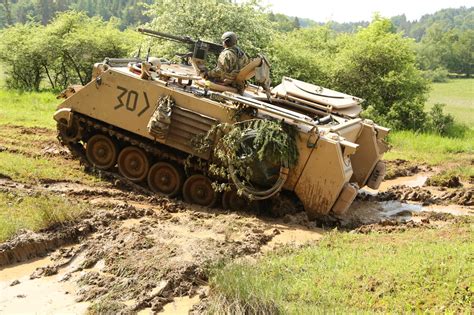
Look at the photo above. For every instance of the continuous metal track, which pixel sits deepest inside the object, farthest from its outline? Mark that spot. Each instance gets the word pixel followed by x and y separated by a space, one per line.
pixel 89 127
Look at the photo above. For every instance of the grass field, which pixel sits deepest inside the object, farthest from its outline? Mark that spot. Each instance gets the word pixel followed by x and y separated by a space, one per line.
pixel 33 212
pixel 430 148
pixel 457 153
pixel 458 95
pixel 420 270
pixel 26 131
pixel 27 108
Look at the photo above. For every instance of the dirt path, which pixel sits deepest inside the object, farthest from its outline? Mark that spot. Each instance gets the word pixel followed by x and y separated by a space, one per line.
pixel 140 253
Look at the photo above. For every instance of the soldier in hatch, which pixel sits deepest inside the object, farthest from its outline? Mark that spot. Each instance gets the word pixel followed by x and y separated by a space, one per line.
pixel 231 60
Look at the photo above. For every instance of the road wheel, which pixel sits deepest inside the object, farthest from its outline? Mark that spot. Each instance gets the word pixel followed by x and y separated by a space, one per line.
pixel 101 152
pixel 133 163
pixel 232 201
pixel 198 190
pixel 165 178
pixel 70 134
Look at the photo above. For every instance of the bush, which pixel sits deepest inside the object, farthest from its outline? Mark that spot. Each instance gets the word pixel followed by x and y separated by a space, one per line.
pixel 379 66
pixel 439 122
pixel 375 64
pixel 439 75
pixel 303 54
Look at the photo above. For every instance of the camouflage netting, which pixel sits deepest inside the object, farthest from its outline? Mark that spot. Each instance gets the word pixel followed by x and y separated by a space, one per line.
pixel 242 144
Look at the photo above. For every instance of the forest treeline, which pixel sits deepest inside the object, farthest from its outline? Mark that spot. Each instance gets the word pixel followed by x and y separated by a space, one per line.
pixel 376 62
pixel 129 12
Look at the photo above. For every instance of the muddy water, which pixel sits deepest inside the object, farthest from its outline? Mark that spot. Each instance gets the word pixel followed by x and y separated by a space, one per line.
pixel 367 212
pixel 371 212
pixel 17 271
pixel 417 180
pixel 293 235
pixel 180 305
pixel 44 295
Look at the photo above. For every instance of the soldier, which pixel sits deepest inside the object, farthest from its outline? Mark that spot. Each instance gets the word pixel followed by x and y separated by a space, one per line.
pixel 231 60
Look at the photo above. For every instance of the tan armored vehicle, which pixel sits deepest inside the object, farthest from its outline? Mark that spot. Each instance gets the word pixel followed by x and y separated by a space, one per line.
pixel 161 125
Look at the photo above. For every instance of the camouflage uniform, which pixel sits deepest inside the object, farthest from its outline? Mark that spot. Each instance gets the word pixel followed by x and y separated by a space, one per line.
pixel 230 62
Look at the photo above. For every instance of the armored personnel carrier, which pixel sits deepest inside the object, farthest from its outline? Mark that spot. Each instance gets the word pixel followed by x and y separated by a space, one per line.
pixel 161 125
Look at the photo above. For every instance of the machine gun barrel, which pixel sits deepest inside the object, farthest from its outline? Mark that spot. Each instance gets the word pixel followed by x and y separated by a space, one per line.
pixel 198 44
pixel 181 39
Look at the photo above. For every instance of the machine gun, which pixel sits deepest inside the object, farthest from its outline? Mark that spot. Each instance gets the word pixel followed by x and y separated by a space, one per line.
pixel 201 48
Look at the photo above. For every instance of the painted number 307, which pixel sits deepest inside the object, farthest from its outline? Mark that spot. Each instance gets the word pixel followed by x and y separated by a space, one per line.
pixel 130 100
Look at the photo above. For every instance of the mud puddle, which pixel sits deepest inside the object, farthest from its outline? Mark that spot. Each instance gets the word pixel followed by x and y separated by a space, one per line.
pixel 24 291
pixel 369 212
pixel 404 198
pixel 180 305
pixel 416 180
pixel 293 235
pixel 21 270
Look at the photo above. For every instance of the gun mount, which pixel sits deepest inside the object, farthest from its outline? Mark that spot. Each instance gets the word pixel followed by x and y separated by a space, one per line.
pixel 200 48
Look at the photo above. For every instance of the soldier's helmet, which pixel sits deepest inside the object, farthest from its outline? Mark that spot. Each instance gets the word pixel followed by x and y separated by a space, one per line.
pixel 229 38
pixel 155 62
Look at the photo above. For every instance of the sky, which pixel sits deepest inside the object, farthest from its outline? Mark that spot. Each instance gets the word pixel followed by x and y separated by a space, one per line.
pixel 360 10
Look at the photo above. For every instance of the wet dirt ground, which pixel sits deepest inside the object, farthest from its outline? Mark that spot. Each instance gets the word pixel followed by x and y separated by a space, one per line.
pixel 136 253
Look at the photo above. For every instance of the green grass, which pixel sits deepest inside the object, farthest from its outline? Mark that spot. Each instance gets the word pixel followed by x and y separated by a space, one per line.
pixel 24 158
pixel 465 172
pixel 455 154
pixel 32 170
pixel 414 271
pixel 458 95
pixel 430 148
pixel 33 212
pixel 29 109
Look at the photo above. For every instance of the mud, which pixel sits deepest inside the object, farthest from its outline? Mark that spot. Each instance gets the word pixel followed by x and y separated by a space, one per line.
pixel 141 256
pixel 48 294
pixel 402 168
pixel 426 196
pixel 449 182
pixel 139 253
pixel 109 191
pixel 164 256
pixel 425 220
pixel 28 245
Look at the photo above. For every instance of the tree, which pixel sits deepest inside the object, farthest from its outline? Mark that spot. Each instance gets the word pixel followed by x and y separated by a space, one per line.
pixel 448 49
pixel 63 52
pixel 303 54
pixel 296 23
pixel 23 55
pixel 379 65
pixel 209 19
pixel 283 23
pixel 6 13
pixel 45 11
pixel 461 54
